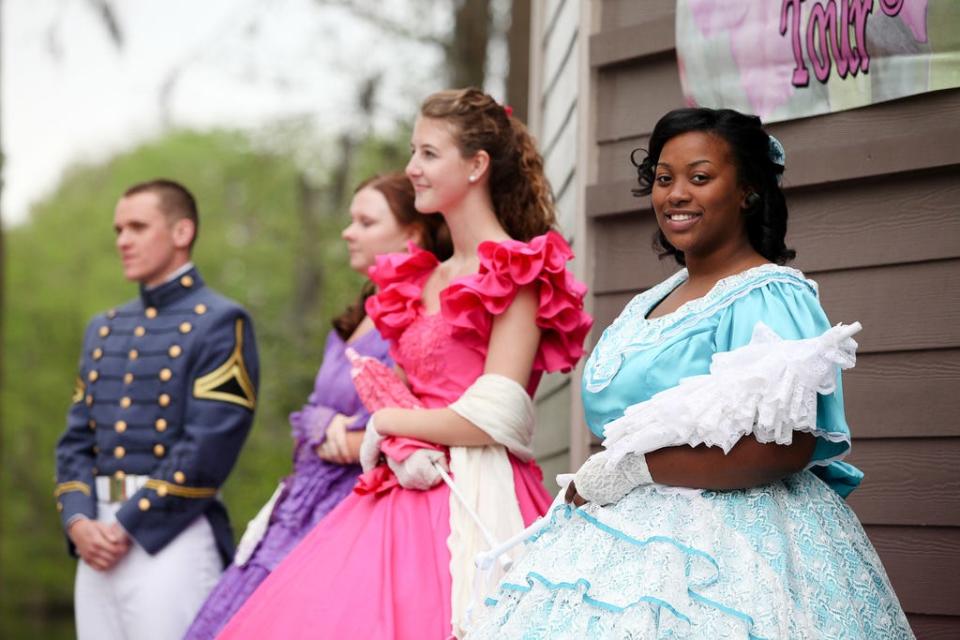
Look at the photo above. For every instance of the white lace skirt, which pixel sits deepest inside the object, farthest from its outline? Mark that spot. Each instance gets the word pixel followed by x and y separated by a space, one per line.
pixel 788 560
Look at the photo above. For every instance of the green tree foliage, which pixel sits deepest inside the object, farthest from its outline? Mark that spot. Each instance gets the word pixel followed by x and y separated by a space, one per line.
pixel 63 268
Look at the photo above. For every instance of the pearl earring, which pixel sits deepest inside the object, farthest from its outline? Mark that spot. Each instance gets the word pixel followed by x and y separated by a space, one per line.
pixel 472 178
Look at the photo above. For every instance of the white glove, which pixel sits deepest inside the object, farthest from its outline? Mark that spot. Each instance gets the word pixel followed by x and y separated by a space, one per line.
pixel 598 483
pixel 370 446
pixel 417 471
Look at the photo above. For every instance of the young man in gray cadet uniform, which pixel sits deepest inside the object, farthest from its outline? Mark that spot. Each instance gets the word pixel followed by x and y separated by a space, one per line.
pixel 163 402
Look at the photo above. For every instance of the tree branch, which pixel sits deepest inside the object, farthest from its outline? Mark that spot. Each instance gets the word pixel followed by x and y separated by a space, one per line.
pixel 109 19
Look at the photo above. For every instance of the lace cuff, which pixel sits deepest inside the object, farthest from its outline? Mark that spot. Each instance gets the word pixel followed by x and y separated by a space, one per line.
pixel 767 388
pixel 603 483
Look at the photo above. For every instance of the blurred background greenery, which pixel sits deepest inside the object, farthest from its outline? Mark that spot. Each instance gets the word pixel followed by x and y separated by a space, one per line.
pixel 267 239
pixel 273 199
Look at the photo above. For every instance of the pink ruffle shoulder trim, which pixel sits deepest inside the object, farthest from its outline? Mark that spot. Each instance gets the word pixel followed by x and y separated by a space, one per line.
pixel 400 278
pixel 470 304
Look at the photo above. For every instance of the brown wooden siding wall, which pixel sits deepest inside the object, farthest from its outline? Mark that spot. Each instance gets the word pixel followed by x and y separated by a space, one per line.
pixel 553 105
pixel 873 196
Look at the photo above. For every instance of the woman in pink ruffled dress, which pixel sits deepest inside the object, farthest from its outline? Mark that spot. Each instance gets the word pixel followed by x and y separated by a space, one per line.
pixel 473 336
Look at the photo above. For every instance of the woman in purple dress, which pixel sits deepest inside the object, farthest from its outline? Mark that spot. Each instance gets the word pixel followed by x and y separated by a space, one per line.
pixel 328 430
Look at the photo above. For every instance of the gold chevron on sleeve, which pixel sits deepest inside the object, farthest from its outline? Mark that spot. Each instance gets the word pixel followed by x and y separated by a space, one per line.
pixel 73 485
pixel 229 382
pixel 78 390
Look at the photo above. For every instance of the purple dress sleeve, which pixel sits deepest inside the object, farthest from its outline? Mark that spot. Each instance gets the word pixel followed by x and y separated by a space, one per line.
pixel 333 391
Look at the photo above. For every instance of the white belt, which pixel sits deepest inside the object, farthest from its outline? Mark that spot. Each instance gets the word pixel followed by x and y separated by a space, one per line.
pixel 114 489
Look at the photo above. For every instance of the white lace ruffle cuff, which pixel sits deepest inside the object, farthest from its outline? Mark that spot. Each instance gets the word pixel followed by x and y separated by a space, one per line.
pixel 767 388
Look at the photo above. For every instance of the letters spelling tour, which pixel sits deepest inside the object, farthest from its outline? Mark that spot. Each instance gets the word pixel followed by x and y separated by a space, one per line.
pixel 827 36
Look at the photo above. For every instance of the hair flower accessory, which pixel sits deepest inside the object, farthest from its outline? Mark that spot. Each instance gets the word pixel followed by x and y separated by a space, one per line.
pixel 776 151
pixel 778 155
pixel 508 110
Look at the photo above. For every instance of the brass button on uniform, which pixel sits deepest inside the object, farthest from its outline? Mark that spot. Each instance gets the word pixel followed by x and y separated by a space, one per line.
pixel 150 312
pixel 186 281
pixel 112 314
pixel 59 506
pixel 120 426
pixel 97 353
pixel 127 378
pixel 165 374
pixel 89 400
pixel 160 425
pixel 159 450
pixel 144 504
pixel 179 477
pixel 200 309
pixel 95 449
pixel 119 452
pixel 125 402
pixel 139 332
pixel 134 354
pixel 93 375
pixel 174 351
pixel 104 331
pixel 185 327
pixel 92 424
pixel 164 399
pixel 119 475
pixel 162 490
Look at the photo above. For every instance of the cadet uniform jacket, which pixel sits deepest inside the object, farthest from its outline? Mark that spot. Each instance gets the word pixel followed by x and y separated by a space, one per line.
pixel 166 388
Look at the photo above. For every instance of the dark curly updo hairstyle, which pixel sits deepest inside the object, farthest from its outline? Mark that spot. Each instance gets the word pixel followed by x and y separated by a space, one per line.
pixel 766 211
pixel 521 194
pixel 434 237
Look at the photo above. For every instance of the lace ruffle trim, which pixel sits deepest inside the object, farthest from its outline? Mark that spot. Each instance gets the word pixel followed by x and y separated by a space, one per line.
pixel 632 331
pixel 767 388
pixel 709 566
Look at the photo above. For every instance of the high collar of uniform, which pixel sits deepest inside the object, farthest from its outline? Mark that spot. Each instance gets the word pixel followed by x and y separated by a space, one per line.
pixel 170 292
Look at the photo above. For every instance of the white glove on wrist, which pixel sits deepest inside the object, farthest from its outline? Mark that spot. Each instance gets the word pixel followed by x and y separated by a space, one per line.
pixel 417 471
pixel 598 483
pixel 370 446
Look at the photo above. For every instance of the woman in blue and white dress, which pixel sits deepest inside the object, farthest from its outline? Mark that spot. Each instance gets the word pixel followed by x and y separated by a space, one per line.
pixel 716 509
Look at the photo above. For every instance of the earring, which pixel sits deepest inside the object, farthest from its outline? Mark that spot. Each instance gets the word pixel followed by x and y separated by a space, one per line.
pixel 472 178
pixel 752 199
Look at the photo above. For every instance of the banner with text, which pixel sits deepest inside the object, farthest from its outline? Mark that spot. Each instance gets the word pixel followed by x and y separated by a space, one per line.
pixel 785 59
